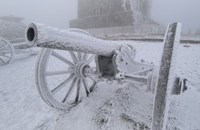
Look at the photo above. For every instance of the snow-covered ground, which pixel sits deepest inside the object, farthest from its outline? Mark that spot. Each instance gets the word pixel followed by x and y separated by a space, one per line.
pixel 112 106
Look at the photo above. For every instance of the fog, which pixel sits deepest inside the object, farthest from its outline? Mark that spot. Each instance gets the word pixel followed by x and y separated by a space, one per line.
pixel 59 12
pixel 52 12
pixel 185 11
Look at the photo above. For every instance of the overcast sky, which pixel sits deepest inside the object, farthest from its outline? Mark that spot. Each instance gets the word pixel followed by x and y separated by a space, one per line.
pixel 59 12
pixel 185 11
pixel 52 12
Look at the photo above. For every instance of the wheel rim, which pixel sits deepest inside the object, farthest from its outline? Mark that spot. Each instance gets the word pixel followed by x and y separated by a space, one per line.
pixel 6 51
pixel 60 79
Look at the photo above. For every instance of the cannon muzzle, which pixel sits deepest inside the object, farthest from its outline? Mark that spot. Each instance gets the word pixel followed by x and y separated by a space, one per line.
pixel 49 37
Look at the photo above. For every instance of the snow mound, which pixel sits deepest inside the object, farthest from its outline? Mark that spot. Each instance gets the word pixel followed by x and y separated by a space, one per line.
pixel 110 107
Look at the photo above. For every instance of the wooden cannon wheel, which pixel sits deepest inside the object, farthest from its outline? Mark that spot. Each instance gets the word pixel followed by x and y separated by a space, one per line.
pixel 60 79
pixel 7 51
pixel 166 77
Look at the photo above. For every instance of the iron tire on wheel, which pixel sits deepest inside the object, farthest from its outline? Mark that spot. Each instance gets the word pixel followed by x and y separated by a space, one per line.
pixel 72 73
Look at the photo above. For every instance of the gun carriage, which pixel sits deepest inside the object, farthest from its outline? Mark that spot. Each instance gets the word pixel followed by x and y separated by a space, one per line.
pixel 87 60
pixel 10 49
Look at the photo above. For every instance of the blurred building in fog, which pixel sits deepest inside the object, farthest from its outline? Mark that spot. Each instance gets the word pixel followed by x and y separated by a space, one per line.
pixel 109 17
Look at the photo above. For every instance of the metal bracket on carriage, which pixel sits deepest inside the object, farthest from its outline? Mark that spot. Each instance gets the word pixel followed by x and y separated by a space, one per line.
pixel 123 67
pixel 180 86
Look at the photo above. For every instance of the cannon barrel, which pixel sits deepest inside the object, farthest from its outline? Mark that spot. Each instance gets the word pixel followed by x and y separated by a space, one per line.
pixel 49 37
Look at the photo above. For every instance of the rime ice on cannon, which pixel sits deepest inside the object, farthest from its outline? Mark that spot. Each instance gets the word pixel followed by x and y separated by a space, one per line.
pixel 83 61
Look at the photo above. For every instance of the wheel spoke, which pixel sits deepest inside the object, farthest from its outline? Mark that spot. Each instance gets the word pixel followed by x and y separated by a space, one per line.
pixel 79 56
pixel 74 58
pixel 92 86
pixel 78 91
pixel 6 51
pixel 3 46
pixel 91 77
pixel 60 86
pixel 3 55
pixel 86 86
pixel 2 61
pixel 62 58
pixel 70 90
pixel 90 59
pixel 53 73
pixel 85 56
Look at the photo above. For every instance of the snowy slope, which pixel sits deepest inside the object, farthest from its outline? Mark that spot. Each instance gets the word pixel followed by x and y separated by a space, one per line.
pixel 112 106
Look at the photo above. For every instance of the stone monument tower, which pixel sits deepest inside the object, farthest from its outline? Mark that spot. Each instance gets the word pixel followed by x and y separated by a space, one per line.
pixel 108 17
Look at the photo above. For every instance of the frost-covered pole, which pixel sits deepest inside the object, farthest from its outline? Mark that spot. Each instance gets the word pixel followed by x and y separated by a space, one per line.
pixel 166 77
pixel 49 37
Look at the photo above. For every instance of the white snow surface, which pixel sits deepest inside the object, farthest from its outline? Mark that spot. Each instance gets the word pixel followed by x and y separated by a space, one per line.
pixel 112 106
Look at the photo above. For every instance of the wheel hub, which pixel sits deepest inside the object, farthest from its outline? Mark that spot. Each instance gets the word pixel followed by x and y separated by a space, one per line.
pixel 81 70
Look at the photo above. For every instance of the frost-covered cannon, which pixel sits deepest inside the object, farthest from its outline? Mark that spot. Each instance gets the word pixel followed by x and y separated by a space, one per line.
pixel 8 50
pixel 64 79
